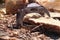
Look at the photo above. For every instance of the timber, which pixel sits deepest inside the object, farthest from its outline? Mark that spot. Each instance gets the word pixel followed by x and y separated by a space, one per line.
pixel 47 22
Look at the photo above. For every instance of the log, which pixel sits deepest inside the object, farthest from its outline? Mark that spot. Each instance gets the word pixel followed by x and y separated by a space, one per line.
pixel 48 23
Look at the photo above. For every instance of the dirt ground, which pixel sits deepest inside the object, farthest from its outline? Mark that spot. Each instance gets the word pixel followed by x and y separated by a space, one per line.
pixel 7 32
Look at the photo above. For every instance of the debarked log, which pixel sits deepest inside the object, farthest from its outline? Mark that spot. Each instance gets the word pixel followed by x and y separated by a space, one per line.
pixel 48 23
